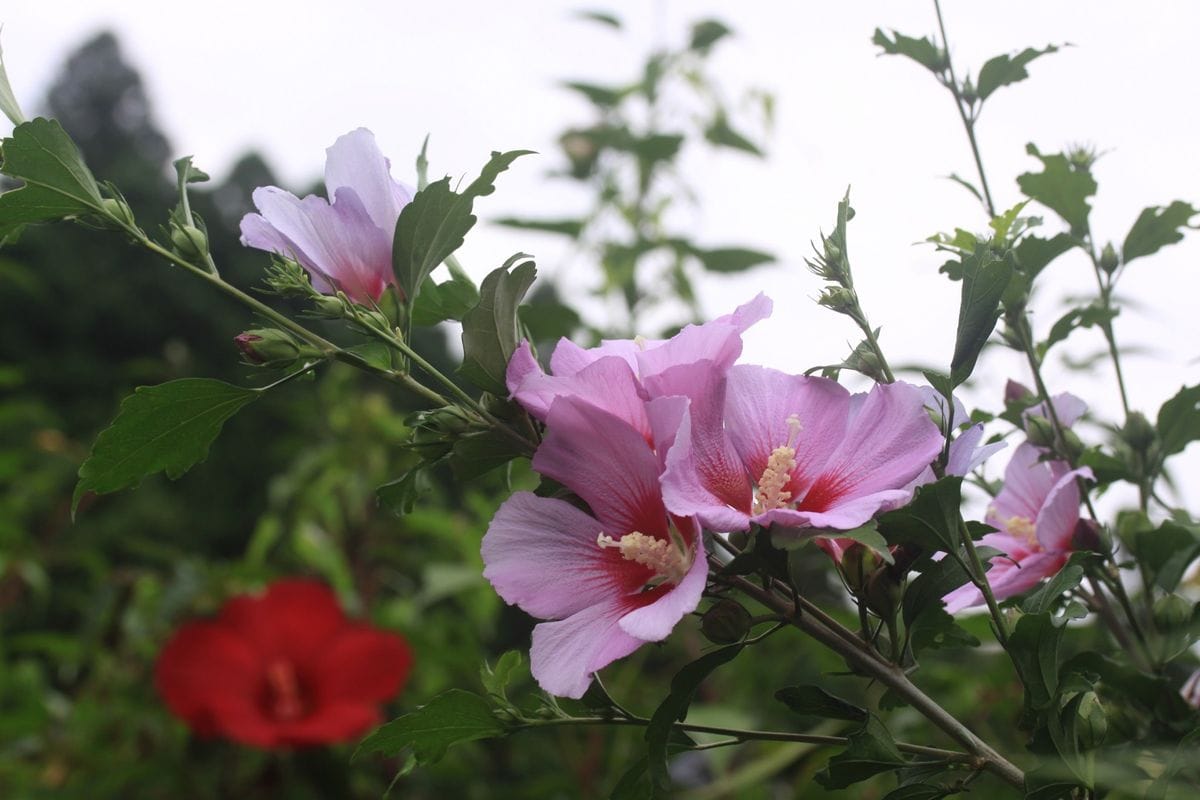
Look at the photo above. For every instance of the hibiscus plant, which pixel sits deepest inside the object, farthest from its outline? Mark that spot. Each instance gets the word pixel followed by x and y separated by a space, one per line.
pixel 656 480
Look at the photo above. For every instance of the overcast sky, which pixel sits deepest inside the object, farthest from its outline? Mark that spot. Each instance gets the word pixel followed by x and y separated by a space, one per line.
pixel 481 76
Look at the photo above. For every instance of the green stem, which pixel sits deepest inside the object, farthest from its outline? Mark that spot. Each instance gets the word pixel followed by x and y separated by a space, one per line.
pixel 746 735
pixel 979 578
pixel 860 657
pixel 968 120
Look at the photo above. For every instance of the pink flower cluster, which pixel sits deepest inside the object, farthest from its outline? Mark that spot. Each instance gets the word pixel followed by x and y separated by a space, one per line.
pixel 662 439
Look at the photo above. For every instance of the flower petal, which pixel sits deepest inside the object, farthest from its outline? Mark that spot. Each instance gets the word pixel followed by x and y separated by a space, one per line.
pixel 718 341
pixel 360 664
pixel 292 619
pixel 655 621
pixel 565 654
pixel 355 162
pixel 710 485
pixel 605 461
pixel 1059 514
pixel 209 675
pixel 1007 579
pixel 541 554
pixel 608 383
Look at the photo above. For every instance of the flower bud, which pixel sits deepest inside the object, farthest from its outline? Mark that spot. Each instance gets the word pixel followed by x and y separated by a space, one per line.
pixel 271 347
pixel 839 299
pixel 883 592
pixel 857 564
pixel 1172 614
pixel 1108 259
pixel 189 241
pixel 1016 392
pixel 726 622
pixel 740 539
pixel 1039 431
pixel 1073 444
pixel 329 307
pixel 119 210
pixel 1091 723
pixel 1092 537
pixel 1138 433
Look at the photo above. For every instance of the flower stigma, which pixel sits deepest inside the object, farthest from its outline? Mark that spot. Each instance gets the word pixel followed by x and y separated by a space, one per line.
pixel 771 494
pixel 669 559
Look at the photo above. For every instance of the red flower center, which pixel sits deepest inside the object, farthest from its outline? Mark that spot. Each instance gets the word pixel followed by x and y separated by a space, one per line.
pixel 285 698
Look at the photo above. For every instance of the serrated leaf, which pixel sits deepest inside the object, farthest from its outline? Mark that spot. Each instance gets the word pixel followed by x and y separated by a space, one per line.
pixel 731 259
pixel 934 629
pixel 814 701
pixel 491 330
pixel 1167 551
pixel 439 302
pixel 187 172
pixel 1178 421
pixel 567 227
pixel 58 185
pixel 1061 186
pixel 1086 317
pixel 869 752
pixel 1034 254
pixel 549 321
pixel 434 224
pixel 1155 228
pixel 708 32
pixel 480 453
pixel 922 50
pixel 1007 69
pixel 930 521
pixel 165 428
pixel 674 708
pixel 937 579
pixel 400 496
pixel 451 718
pixel 984 280
pixel 1066 579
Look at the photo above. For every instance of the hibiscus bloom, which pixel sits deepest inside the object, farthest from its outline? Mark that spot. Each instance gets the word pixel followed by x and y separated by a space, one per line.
pixel 610 580
pixel 282 669
pixel 768 448
pixel 345 242
pixel 621 375
pixel 1035 516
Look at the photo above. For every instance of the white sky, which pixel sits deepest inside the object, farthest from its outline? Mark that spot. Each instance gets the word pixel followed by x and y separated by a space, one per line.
pixel 482 76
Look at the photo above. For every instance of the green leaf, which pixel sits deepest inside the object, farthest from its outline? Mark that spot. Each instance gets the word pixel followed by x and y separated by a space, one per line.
pixel 930 521
pixel 549 321
pixel 934 629
pixel 1033 646
pixel 1167 551
pixel 602 96
pixel 490 329
pixel 937 579
pixel 434 224
pixel 922 50
pixel 867 535
pixel 731 259
pixel 869 752
pixel 814 701
pixel 164 428
pixel 1178 420
pixel 400 496
pixel 451 718
pixel 58 185
pixel 496 679
pixel 187 173
pixel 1085 317
pixel 1034 253
pixel 567 227
pixel 966 184
pixel 722 134
pixel 602 17
pixel 1155 228
pixel 674 708
pixel 479 453
pixel 985 278
pixel 8 101
pixel 919 791
pixel 1062 186
pixel 439 302
pixel 708 32
pixel 1047 597
pixel 1004 70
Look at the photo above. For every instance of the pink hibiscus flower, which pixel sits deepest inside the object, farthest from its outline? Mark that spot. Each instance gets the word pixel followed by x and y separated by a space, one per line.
pixel 610 580
pixel 765 447
pixel 345 242
pixel 1035 516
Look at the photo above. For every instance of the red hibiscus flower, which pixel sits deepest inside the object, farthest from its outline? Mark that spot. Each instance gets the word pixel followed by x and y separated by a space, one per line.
pixel 282 669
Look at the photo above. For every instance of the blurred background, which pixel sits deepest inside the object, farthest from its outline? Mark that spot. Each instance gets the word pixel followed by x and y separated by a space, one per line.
pixel 725 151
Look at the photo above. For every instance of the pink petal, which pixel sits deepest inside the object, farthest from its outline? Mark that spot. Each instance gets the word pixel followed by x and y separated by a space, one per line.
pixel 889 441
pixel 966 454
pixel 1007 579
pixel 569 358
pixel 1067 407
pixel 653 622
pixel 608 384
pixel 565 654
pixel 1057 517
pixel 1027 482
pixel 847 513
pixel 355 162
pixel 605 461
pixel 541 554
pixel 718 341
pixel 711 486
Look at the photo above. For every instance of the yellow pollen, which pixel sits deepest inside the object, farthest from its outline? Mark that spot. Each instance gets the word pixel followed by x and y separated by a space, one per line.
pixel 669 561
pixel 639 341
pixel 770 494
pixel 1023 527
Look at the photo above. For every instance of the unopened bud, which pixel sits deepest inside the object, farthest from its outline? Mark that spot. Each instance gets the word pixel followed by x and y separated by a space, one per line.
pixel 189 241
pixel 726 622
pixel 1108 259
pixel 838 299
pixel 1091 723
pixel 857 564
pixel 267 346
pixel 330 307
pixel 1073 444
pixel 1016 392
pixel 1172 614
pixel 1138 433
pixel 1039 431
pixel 1090 536
pixel 883 592
pixel 118 210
